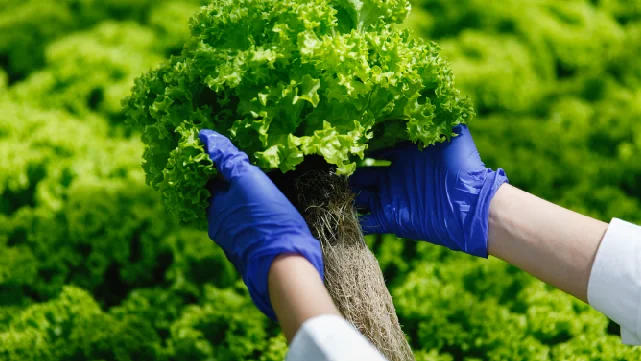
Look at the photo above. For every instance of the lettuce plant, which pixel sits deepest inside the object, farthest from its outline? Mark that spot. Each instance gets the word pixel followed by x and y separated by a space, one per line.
pixel 289 79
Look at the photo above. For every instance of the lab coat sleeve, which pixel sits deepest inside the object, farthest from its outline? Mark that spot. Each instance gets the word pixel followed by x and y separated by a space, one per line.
pixel 331 338
pixel 614 287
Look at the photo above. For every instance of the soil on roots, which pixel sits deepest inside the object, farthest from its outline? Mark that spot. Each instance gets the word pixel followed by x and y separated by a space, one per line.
pixel 352 273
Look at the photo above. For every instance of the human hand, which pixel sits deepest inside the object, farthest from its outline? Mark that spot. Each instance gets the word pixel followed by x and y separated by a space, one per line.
pixel 252 221
pixel 441 194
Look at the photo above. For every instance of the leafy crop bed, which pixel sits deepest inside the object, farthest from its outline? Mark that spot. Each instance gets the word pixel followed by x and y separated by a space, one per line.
pixel 94 268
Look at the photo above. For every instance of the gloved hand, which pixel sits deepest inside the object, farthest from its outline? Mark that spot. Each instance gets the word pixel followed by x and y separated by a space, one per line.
pixel 252 221
pixel 441 194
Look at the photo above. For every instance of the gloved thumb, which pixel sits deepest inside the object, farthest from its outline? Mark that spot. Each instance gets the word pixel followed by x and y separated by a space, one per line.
pixel 229 161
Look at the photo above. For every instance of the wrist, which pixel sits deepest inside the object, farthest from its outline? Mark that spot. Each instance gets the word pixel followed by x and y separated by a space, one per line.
pixel 297 292
pixel 497 221
pixel 477 237
pixel 260 259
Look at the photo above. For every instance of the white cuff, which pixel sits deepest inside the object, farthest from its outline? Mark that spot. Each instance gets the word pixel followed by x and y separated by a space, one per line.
pixel 629 338
pixel 614 287
pixel 330 338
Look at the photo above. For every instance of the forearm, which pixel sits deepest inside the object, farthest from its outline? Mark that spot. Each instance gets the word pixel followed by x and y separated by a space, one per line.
pixel 297 293
pixel 554 244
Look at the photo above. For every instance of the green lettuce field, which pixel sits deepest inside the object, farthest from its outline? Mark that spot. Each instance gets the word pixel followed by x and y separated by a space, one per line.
pixel 93 267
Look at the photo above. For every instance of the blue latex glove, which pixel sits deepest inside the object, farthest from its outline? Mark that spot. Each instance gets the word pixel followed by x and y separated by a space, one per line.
pixel 252 221
pixel 441 194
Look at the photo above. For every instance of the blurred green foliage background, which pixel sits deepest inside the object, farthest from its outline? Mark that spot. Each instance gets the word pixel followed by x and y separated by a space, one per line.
pixel 93 268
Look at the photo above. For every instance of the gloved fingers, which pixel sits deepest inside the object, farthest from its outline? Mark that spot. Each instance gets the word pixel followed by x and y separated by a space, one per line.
pixel 461 152
pixel 367 177
pixel 226 157
pixel 393 153
pixel 385 154
pixel 462 134
pixel 370 225
pixel 218 185
pixel 364 199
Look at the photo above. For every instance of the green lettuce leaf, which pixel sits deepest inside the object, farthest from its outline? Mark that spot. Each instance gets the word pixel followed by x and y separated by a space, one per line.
pixel 288 79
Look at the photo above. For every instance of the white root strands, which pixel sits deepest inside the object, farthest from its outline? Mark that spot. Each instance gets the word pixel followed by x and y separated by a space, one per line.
pixel 352 273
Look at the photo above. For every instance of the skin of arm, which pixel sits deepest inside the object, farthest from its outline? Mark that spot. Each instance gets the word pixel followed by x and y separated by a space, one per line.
pixel 553 244
pixel 297 293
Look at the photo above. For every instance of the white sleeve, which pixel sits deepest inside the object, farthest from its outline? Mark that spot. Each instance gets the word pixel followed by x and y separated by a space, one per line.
pixel 614 287
pixel 330 338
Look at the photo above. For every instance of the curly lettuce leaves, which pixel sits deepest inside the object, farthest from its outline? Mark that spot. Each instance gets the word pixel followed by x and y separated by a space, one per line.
pixel 288 79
